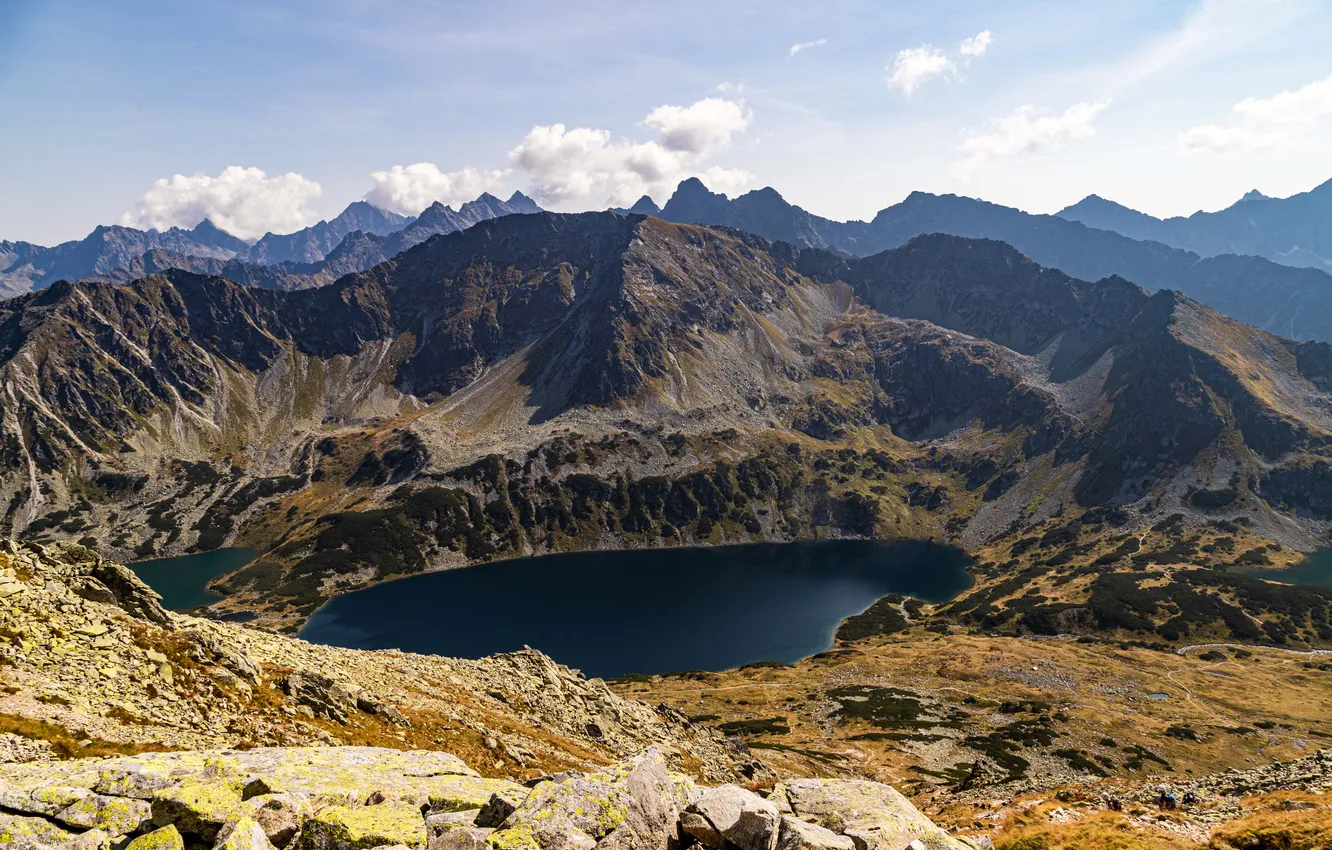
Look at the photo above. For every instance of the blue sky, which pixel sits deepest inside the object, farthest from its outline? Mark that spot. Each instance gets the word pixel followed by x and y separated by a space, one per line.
pixel 1169 107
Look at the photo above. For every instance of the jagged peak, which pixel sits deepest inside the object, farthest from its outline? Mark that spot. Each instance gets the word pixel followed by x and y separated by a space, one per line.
pixel 520 203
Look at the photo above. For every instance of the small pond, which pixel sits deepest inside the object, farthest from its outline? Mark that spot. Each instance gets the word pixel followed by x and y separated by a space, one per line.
pixel 644 611
pixel 183 581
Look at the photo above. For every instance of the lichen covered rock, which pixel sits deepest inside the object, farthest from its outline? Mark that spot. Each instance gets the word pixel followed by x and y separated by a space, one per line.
pixel 364 827
pixel 873 815
pixel 166 838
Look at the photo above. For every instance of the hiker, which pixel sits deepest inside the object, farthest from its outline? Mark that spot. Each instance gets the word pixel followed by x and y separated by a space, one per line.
pixel 1163 797
pixel 1190 798
pixel 1116 805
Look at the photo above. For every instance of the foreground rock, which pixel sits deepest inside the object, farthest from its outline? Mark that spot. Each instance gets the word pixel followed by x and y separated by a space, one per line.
pixel 359 798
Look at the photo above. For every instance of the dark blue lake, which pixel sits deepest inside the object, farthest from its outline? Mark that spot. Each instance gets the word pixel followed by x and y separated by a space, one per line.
pixel 182 582
pixel 644 611
pixel 1313 571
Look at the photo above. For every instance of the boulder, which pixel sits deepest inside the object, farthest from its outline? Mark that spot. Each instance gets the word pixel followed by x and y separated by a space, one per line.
pixel 983 773
pixel 325 697
pixel 209 650
pixel 33 833
pixel 140 782
pixel 438 823
pixel 79 808
pixel 501 804
pixel 461 793
pixel 742 818
pixel 278 815
pixel 243 834
pixel 364 827
pixel 701 830
pixel 166 838
pixel 635 795
pixel 799 835
pixel 874 816
pixel 462 838
pixel 197 807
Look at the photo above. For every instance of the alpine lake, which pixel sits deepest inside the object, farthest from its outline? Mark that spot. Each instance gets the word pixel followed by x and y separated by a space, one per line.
pixel 610 613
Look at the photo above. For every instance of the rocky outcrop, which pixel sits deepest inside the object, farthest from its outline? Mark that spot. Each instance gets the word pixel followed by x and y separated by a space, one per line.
pixel 358 798
pixel 93 670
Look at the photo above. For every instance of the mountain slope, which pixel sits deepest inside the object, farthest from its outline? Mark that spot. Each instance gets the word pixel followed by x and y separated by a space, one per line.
pixel 1292 231
pixel 1288 301
pixel 550 382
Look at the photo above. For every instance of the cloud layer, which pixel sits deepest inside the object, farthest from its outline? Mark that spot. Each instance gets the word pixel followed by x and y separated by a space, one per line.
pixel 1261 124
pixel 245 202
pixel 1023 131
pixel 581 165
pixel 408 189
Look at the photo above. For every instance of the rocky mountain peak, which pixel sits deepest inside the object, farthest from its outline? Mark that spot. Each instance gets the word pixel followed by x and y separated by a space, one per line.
pixel 520 203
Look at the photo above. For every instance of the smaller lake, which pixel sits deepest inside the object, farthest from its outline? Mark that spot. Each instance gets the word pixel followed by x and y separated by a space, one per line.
pixel 183 582
pixel 646 610
pixel 1313 571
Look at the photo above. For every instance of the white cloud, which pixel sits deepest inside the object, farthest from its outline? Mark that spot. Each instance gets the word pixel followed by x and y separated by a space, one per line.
pixel 1209 138
pixel 1267 123
pixel 977 44
pixel 245 202
pixel 805 45
pixel 915 66
pixel 408 189
pixel 582 165
pixel 1023 131
pixel 705 127
pixel 1304 106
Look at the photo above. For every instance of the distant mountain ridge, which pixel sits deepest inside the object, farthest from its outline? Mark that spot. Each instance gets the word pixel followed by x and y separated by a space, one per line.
pixel 118 253
pixel 1294 231
pixel 1292 302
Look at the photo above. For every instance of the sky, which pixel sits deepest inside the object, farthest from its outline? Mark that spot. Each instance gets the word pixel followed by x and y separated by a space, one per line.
pixel 269 116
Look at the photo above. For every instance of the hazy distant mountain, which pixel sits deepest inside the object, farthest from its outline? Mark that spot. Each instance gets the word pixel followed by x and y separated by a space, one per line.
pixel 358 238
pixel 1294 231
pixel 313 243
pixel 24 266
pixel 1293 302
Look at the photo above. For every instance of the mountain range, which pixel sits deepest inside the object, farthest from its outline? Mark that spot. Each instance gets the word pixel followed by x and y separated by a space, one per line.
pixel 1294 231
pixel 547 382
pixel 1293 302
pixel 1242 282
pixel 119 253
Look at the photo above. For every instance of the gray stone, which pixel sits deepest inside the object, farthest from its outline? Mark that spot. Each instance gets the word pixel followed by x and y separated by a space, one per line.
pixel 244 834
pixel 701 830
pixel 500 805
pixel 80 808
pixel 636 795
pixel 460 838
pixel 798 835
pixel 278 815
pixel 873 815
pixel 742 817
pixel 325 697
